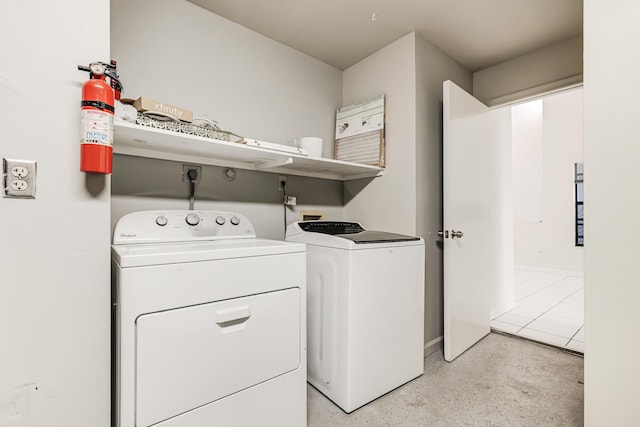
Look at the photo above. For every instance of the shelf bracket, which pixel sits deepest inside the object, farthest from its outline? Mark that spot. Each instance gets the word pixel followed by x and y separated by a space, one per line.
pixel 274 163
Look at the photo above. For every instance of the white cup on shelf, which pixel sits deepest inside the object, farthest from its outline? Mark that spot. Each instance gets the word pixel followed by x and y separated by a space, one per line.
pixel 312 145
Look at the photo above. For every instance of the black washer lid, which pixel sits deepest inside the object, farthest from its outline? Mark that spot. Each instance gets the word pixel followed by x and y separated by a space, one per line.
pixel 331 227
pixel 354 232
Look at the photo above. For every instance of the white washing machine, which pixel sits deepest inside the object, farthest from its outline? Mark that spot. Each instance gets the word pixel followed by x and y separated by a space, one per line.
pixel 365 309
pixel 209 323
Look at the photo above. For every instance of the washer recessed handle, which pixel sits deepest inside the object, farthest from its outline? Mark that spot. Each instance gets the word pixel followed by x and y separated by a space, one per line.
pixel 232 316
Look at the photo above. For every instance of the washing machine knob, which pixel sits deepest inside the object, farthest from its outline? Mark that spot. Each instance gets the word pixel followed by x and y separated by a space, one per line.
pixel 192 219
pixel 235 220
pixel 220 220
pixel 162 220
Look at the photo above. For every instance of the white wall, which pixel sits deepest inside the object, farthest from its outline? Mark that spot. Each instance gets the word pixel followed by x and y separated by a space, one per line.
pixel 547 142
pixel 182 54
pixel 611 153
pixel 502 298
pixel 55 303
pixel 533 73
pixel 563 134
pixel 432 68
pixel 528 164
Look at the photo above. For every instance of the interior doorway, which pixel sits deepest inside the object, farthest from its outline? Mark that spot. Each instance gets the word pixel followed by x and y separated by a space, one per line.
pixel 547 299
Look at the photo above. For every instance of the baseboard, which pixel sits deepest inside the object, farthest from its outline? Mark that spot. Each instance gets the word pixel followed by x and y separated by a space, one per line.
pixel 502 310
pixel 551 270
pixel 433 346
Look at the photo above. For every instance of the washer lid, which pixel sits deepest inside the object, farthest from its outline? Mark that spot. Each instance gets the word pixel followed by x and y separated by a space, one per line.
pixel 137 255
pixel 353 231
pixel 370 236
pixel 331 227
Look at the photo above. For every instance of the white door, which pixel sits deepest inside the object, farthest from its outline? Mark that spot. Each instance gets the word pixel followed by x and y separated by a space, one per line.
pixel 471 170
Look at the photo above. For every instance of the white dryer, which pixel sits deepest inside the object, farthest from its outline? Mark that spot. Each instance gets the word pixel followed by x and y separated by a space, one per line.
pixel 209 323
pixel 365 309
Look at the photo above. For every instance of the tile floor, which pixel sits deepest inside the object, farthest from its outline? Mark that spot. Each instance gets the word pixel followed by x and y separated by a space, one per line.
pixel 550 308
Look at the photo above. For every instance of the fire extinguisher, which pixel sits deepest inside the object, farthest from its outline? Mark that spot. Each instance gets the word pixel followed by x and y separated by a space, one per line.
pixel 96 122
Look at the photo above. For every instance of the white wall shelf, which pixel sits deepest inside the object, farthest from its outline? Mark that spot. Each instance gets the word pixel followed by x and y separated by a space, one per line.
pixel 135 140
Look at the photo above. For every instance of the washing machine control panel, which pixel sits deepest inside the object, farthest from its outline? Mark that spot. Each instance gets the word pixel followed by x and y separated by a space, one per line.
pixel 181 226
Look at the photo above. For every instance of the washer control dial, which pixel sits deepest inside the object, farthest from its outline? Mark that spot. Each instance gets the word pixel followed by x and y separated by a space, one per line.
pixel 220 220
pixel 192 219
pixel 162 220
pixel 235 220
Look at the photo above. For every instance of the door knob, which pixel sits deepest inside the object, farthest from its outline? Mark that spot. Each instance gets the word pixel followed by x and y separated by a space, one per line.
pixel 457 234
pixel 444 234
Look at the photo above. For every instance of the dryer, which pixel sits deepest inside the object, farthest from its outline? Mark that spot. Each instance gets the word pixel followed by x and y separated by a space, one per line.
pixel 365 309
pixel 209 322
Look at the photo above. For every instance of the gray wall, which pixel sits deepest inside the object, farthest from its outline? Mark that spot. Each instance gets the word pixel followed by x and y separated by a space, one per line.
pixel 149 184
pixel 387 203
pixel 611 153
pixel 179 53
pixel 531 74
pixel 432 68
pixel 408 197
pixel 55 292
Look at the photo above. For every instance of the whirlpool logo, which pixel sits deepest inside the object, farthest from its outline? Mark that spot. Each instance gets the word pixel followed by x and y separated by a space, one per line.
pixel 125 235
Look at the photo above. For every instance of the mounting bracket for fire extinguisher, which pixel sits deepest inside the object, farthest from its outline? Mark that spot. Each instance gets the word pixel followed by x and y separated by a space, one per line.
pixel 97 112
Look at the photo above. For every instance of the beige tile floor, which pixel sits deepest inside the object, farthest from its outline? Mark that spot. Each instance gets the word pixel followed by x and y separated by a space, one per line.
pixel 550 309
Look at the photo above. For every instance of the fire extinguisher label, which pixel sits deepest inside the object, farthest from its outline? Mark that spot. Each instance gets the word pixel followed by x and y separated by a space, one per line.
pixel 96 127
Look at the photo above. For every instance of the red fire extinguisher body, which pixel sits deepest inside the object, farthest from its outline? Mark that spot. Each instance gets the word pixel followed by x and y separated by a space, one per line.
pixel 96 125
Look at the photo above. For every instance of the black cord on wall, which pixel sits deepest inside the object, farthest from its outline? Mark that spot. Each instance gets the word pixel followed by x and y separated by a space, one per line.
pixel 192 174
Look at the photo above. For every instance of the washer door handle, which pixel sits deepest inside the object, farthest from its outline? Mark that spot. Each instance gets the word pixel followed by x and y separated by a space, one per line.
pixel 232 316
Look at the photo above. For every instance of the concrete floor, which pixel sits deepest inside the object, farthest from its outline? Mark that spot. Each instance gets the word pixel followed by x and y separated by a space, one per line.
pixel 501 381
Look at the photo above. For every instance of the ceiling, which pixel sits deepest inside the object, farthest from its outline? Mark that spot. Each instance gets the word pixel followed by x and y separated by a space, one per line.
pixel 476 33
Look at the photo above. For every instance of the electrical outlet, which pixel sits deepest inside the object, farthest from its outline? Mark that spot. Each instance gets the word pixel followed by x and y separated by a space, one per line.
pixel 290 200
pixel 185 173
pixel 281 180
pixel 19 185
pixel 19 171
pixel 19 178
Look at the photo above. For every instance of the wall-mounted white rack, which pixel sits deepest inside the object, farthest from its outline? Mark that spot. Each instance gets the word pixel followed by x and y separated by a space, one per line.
pixel 135 140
